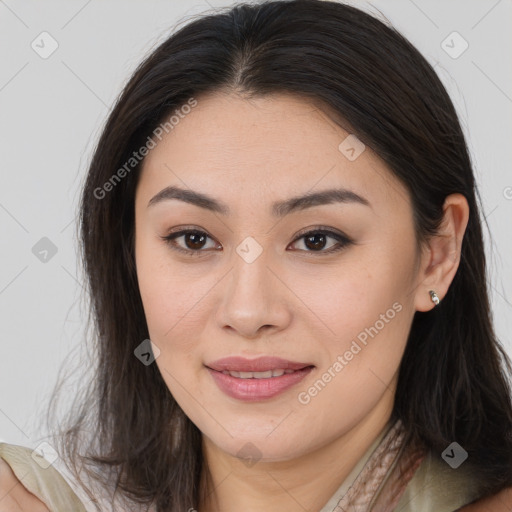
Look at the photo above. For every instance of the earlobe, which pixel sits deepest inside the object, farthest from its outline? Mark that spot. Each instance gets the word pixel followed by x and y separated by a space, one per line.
pixel 442 257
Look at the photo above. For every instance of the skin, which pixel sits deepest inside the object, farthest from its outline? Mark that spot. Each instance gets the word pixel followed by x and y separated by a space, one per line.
pixel 290 302
pixel 500 502
pixel 14 496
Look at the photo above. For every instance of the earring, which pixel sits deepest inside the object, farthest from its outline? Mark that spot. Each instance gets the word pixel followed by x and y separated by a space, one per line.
pixel 434 297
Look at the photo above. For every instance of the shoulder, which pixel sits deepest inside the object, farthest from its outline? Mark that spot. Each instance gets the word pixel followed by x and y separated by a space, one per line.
pixel 437 486
pixel 500 502
pixel 14 497
pixel 30 482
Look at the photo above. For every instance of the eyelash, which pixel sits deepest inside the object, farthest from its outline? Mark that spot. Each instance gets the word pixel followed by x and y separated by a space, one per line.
pixel 343 240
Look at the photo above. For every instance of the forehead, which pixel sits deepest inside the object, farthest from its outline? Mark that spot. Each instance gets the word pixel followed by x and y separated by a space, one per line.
pixel 262 145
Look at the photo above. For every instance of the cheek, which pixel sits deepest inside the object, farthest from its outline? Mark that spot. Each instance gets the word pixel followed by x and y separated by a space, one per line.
pixel 367 309
pixel 171 308
pixel 353 296
pixel 173 311
pixel 369 320
pixel 176 298
pixel 164 299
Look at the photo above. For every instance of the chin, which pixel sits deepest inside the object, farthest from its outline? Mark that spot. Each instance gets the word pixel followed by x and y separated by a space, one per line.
pixel 263 450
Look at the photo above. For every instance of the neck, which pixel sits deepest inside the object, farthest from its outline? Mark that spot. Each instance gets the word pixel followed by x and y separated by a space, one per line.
pixel 304 483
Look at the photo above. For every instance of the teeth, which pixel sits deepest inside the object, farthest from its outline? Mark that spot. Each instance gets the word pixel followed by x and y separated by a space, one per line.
pixel 257 375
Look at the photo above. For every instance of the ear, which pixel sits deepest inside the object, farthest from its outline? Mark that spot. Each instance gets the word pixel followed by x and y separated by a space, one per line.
pixel 440 259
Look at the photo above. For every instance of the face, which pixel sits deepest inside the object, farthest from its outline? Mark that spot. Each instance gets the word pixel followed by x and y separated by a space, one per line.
pixel 279 323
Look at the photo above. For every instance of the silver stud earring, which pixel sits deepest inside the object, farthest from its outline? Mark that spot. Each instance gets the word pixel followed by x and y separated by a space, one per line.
pixel 434 297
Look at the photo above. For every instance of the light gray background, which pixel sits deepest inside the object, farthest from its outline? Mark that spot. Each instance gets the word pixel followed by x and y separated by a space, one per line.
pixel 51 111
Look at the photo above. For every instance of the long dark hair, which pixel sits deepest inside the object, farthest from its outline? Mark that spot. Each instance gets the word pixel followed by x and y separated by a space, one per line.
pixel 453 379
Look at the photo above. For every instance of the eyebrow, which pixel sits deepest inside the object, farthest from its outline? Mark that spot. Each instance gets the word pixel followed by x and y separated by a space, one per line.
pixel 279 208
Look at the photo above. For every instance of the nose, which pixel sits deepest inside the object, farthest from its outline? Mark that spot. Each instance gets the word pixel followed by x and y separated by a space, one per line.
pixel 254 301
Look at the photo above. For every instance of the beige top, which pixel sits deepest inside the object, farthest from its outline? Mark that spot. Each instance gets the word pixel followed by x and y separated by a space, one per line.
pixel 376 483
pixel 46 483
pixel 433 485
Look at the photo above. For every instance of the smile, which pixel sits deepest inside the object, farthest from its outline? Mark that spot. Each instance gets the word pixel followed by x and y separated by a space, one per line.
pixel 258 375
pixel 252 380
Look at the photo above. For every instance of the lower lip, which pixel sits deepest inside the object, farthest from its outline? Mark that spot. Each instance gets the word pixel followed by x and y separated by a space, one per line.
pixel 253 390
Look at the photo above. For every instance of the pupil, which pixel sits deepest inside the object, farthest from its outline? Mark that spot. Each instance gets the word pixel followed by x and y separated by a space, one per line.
pixel 196 239
pixel 317 245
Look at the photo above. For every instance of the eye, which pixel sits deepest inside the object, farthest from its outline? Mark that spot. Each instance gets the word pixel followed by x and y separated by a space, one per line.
pixel 193 239
pixel 314 240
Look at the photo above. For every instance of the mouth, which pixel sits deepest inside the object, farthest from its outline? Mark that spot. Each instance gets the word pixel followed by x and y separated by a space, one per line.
pixel 257 379
pixel 258 375
pixel 259 365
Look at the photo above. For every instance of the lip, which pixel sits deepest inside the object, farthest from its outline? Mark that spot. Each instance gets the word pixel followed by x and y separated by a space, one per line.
pixel 252 389
pixel 260 364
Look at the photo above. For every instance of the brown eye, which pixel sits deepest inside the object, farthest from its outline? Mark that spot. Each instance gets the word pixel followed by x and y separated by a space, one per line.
pixel 316 241
pixel 193 241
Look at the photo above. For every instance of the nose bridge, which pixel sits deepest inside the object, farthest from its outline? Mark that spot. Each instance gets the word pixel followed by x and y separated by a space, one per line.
pixel 250 273
pixel 251 298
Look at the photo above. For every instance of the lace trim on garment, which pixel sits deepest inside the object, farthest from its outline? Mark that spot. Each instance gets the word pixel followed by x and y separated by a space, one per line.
pixel 383 479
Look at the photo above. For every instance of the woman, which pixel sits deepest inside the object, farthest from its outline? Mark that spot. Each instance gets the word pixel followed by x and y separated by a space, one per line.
pixel 282 201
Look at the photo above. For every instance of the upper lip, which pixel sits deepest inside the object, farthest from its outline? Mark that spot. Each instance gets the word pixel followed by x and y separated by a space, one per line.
pixel 260 364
